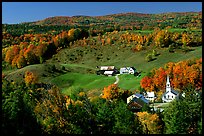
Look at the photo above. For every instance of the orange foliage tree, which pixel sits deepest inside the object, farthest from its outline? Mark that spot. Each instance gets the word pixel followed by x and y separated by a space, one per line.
pixel 30 78
pixel 111 92
pixel 181 74
pixel 147 83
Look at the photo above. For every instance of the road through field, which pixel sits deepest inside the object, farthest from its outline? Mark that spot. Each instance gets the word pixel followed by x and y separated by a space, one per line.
pixel 117 79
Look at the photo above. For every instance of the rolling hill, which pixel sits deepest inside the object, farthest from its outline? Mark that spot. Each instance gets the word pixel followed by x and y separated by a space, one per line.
pixel 120 18
pixel 76 66
pixel 59 70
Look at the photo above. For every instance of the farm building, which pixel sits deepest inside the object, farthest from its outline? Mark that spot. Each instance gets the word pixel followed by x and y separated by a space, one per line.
pixel 150 96
pixel 107 67
pixel 127 70
pixel 170 94
pixel 107 70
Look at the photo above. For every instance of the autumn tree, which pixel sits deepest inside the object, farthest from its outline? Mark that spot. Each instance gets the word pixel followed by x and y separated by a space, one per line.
pixel 52 113
pixel 160 75
pixel 147 83
pixel 185 39
pixel 182 73
pixel 29 55
pixel 162 38
pixel 150 122
pixel 30 78
pixel 13 63
pixel 40 51
pixel 111 92
pixel 21 61
pixel 12 55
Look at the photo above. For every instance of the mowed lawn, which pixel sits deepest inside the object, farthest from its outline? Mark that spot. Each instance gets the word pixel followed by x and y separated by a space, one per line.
pixel 129 82
pixel 85 81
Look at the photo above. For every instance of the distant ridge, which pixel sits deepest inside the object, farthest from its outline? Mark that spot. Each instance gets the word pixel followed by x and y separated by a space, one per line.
pixel 118 18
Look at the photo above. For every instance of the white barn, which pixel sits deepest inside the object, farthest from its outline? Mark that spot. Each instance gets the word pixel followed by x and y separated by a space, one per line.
pixel 170 94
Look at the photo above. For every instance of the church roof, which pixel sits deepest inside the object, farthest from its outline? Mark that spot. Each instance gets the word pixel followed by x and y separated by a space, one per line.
pixel 172 91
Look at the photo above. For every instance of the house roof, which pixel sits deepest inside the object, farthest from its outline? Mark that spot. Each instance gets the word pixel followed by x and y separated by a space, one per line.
pixel 108 72
pixel 107 67
pixel 140 96
pixel 135 104
pixel 133 68
pixel 127 68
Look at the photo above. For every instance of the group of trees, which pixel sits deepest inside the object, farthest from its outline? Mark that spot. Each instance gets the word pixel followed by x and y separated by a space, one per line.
pixel 27 49
pixel 184 116
pixel 159 39
pixel 27 108
pixel 181 74
pixel 101 24
pixel 37 48
pixel 33 108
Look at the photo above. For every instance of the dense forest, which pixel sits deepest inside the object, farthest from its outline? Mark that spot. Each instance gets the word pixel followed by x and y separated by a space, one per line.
pixel 57 46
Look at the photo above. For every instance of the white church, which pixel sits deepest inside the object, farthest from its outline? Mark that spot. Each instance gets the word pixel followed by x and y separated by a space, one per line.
pixel 170 94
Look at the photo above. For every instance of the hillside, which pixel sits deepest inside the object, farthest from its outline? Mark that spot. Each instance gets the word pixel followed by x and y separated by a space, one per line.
pixel 81 72
pixel 119 19
pixel 72 54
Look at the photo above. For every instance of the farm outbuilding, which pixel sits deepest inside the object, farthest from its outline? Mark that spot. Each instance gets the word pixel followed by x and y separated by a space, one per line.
pixel 150 96
pixel 107 70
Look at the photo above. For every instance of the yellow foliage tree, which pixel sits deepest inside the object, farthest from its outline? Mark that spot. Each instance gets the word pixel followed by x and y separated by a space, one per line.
pixel 150 122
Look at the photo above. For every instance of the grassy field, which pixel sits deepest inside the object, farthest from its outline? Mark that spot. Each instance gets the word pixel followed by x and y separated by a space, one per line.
pixel 129 82
pixel 86 81
pixel 82 73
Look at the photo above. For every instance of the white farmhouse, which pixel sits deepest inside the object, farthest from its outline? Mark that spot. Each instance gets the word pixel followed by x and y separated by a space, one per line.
pixel 170 94
pixel 127 70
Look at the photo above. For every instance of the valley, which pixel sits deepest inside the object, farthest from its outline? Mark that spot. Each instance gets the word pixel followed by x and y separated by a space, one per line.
pixel 52 76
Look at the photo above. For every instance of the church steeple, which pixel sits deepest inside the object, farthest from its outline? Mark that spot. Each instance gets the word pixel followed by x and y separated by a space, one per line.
pixel 168 85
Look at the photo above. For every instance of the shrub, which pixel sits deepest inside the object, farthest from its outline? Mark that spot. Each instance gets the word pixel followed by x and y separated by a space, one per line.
pixel 149 57
pixel 155 53
pixel 171 48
